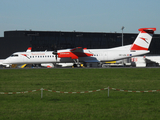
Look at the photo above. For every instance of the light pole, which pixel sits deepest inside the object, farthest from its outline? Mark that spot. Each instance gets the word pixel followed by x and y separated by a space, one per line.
pixel 122 34
pixel 122 42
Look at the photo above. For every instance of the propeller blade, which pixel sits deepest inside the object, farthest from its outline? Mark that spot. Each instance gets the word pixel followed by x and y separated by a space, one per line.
pixel 56 54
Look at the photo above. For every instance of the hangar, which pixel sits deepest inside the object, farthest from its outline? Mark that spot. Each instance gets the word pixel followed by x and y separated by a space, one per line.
pixel 19 40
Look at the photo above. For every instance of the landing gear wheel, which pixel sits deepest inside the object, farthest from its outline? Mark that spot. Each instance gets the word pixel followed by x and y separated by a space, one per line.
pixel 76 65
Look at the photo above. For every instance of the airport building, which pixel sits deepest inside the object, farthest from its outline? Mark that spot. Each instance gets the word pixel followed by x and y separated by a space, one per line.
pixel 14 41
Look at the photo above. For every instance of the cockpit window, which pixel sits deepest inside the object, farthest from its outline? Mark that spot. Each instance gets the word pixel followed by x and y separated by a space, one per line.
pixel 14 55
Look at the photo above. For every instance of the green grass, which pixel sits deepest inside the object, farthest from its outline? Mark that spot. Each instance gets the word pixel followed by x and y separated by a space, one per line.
pixel 93 106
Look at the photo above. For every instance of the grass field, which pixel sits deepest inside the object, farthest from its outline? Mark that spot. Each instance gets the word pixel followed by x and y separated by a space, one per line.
pixel 87 106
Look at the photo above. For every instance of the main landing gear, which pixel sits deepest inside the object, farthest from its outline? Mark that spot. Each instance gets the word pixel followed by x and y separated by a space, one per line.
pixel 77 63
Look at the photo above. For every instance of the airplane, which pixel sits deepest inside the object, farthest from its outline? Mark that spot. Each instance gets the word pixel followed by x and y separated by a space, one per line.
pixel 144 61
pixel 79 55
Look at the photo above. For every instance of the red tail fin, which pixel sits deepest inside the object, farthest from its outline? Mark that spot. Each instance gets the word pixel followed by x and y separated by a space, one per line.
pixel 29 49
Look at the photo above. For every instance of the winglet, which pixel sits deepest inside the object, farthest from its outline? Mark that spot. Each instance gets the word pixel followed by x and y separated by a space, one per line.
pixel 29 49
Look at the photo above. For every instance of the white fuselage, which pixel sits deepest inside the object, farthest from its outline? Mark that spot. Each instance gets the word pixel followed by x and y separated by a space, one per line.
pixel 98 55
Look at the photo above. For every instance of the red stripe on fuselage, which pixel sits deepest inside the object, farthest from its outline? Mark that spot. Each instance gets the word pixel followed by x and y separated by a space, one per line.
pixel 73 55
pixel 136 47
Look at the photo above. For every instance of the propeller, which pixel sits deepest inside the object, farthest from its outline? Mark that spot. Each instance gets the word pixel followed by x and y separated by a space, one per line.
pixel 55 53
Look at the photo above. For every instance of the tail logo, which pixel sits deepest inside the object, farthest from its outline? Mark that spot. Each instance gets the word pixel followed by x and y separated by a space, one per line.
pixel 145 39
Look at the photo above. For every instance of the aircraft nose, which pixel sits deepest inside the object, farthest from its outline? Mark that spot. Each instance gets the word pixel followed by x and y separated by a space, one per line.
pixel 6 61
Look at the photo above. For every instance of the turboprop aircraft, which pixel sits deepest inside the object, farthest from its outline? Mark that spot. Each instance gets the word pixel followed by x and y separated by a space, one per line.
pixel 81 55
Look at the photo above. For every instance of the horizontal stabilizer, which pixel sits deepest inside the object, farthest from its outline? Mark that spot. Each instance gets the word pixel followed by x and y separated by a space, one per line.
pixel 147 30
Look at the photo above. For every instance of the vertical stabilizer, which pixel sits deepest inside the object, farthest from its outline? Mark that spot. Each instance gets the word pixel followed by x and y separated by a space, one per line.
pixel 29 49
pixel 143 40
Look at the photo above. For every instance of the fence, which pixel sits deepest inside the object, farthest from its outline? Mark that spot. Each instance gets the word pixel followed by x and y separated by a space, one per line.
pixel 42 89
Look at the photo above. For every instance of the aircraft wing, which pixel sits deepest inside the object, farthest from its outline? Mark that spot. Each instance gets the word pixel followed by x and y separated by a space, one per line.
pixel 77 49
pixel 152 59
pixel 91 61
pixel 148 60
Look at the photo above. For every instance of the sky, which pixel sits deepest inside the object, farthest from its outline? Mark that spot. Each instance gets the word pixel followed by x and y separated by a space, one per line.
pixel 79 15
